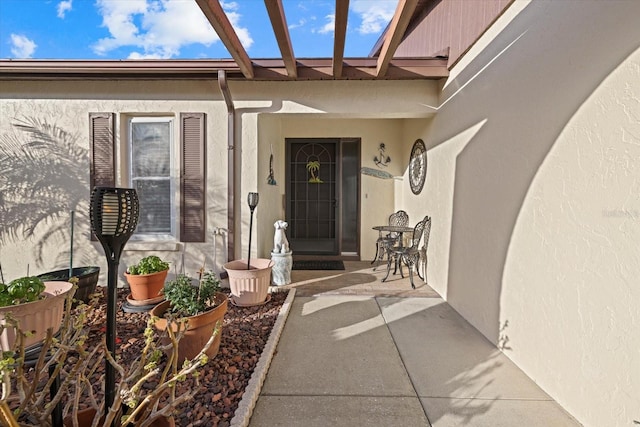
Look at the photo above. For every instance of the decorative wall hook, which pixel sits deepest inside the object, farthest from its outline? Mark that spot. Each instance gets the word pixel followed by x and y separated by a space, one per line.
pixel 270 179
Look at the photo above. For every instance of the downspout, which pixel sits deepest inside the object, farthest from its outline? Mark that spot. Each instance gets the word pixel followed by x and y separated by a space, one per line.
pixel 231 164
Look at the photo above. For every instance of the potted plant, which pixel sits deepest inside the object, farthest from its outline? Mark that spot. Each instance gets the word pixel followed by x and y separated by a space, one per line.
pixel 86 283
pixel 193 311
pixel 146 278
pixel 35 305
pixel 249 286
pixel 145 395
pixel 249 279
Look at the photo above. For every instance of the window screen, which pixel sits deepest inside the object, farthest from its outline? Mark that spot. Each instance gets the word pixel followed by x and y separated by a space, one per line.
pixel 151 166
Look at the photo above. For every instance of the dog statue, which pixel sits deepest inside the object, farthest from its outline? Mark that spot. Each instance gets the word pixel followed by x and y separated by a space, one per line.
pixel 280 242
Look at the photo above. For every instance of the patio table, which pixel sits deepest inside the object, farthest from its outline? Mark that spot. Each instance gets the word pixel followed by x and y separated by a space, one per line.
pixel 393 228
pixel 400 229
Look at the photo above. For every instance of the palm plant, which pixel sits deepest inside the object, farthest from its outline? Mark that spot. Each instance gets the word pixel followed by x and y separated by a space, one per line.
pixel 44 174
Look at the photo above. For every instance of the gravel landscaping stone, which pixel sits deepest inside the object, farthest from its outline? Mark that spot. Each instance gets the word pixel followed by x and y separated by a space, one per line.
pixel 222 380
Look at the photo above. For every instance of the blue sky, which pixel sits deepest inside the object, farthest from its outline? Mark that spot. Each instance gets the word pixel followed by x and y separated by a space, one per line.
pixel 165 29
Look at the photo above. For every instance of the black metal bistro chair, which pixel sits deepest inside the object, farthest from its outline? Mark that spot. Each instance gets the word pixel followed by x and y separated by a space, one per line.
pixel 423 251
pixel 410 255
pixel 385 242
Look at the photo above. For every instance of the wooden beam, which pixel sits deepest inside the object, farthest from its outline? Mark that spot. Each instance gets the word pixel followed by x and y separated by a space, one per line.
pixel 339 35
pixel 394 35
pixel 281 31
pixel 354 69
pixel 219 21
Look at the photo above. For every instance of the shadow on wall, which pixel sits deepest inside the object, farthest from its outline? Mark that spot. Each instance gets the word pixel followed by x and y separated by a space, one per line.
pixel 526 103
pixel 44 174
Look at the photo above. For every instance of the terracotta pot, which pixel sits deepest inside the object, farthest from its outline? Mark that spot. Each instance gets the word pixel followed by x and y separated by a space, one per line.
pixel 87 280
pixel 199 328
pixel 146 286
pixel 86 416
pixel 36 316
pixel 249 286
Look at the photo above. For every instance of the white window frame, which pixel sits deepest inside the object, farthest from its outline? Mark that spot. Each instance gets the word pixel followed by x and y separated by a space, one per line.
pixel 173 175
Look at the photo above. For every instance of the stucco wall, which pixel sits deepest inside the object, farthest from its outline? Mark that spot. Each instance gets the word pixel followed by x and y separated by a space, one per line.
pixel 269 112
pixel 534 186
pixel 266 112
pixel 66 105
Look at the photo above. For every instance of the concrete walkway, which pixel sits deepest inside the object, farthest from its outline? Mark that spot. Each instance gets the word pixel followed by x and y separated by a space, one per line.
pixel 360 360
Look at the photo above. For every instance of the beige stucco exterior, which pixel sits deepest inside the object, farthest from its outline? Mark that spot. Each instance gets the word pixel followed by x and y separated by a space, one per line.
pixel 266 114
pixel 533 183
pixel 534 188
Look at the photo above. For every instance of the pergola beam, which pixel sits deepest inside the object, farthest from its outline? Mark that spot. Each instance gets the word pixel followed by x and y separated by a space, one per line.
pixel 394 35
pixel 281 31
pixel 220 23
pixel 339 36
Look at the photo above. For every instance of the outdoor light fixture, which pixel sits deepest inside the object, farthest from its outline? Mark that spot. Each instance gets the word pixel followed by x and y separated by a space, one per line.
pixel 252 200
pixel 114 217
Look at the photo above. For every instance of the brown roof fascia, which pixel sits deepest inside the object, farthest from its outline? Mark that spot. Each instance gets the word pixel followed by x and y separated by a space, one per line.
pixel 281 31
pixel 107 69
pixel 264 69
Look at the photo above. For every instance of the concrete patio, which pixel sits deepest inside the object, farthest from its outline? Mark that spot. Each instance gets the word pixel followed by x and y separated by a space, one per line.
pixel 357 352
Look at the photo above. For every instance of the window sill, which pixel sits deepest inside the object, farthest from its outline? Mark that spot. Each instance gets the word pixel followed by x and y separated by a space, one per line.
pixel 157 245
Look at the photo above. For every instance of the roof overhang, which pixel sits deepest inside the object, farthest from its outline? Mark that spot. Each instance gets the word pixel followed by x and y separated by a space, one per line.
pixel 263 69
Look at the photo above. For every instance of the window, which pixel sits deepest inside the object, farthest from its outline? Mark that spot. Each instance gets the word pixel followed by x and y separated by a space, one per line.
pixel 150 174
pixel 152 140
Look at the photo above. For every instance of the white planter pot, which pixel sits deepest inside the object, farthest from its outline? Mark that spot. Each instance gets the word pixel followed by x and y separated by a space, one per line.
pixel 36 316
pixel 249 286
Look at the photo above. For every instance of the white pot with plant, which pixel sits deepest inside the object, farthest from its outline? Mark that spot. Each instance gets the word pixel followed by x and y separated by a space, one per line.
pixel 35 305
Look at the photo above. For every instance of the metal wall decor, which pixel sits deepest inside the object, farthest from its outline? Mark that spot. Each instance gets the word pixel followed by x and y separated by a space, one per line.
pixel 271 179
pixel 376 173
pixel 382 159
pixel 313 166
pixel 417 166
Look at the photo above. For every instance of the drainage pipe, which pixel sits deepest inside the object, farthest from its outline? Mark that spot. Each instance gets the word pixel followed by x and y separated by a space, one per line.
pixel 231 164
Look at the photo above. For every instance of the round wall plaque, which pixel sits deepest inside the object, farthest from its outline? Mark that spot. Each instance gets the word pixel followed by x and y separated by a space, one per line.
pixel 418 166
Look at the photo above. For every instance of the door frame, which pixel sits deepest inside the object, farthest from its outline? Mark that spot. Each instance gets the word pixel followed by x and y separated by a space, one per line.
pixel 339 194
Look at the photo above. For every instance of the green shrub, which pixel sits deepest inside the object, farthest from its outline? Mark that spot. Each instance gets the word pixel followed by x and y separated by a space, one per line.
pixel 189 299
pixel 20 291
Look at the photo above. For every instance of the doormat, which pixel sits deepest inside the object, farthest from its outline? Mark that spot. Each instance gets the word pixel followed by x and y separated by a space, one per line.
pixel 318 265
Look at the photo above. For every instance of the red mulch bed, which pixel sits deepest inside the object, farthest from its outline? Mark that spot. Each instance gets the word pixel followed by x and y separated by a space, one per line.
pixel 222 380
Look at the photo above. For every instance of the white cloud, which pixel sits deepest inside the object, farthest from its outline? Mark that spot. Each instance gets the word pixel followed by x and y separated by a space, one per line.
pixel 301 22
pixel 234 19
pixel 329 27
pixel 160 28
pixel 22 47
pixel 63 7
pixel 375 15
